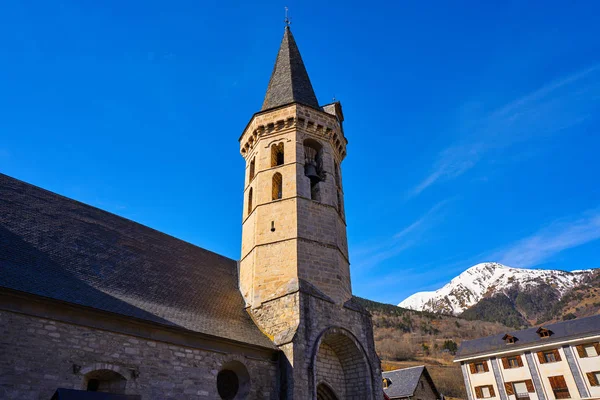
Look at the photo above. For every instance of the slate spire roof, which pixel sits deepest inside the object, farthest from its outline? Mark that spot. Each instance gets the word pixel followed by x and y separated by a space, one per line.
pixel 289 81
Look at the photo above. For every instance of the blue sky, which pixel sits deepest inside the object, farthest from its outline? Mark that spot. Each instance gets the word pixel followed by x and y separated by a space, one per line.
pixel 473 128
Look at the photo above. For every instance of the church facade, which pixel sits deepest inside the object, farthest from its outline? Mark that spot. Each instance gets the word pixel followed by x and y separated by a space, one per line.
pixel 92 302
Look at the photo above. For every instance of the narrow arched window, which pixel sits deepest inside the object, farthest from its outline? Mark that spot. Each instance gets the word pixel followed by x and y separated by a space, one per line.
pixel 252 166
pixel 339 201
pixel 277 186
pixel 337 174
pixel 313 167
pixel 249 201
pixel 277 155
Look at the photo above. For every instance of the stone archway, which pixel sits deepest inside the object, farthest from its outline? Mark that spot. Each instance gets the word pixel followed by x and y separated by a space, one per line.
pixel 339 361
pixel 324 392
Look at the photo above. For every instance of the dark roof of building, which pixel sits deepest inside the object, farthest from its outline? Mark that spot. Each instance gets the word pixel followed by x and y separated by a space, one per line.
pixel 62 249
pixel 403 382
pixel 289 81
pixel 528 337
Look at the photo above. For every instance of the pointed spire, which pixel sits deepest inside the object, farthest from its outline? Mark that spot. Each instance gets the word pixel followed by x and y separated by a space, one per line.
pixel 289 81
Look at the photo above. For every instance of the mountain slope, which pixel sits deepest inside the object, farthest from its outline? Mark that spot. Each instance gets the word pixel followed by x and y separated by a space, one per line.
pixel 526 287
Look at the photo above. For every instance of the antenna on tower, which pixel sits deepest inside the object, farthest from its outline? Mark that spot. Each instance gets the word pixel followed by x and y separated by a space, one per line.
pixel 287 20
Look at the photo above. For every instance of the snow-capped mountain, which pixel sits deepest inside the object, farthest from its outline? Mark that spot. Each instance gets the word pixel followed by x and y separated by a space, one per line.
pixel 487 279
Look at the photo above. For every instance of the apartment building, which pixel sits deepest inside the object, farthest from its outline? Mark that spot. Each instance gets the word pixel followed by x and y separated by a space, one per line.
pixel 554 361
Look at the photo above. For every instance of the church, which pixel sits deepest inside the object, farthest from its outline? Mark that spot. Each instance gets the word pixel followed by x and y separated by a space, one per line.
pixel 95 306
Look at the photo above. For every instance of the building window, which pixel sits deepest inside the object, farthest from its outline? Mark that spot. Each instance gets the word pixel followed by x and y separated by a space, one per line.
pixel 337 174
pixel 276 154
pixel 519 389
pixel 591 351
pixel 252 166
pixel 277 186
pixel 588 350
pixel 479 367
pixel 559 387
pixel 594 378
pixel 249 201
pixel 549 356
pixel 386 383
pixel 233 381
pixel 544 333
pixel 484 392
pixel 228 384
pixel 512 362
pixel 509 339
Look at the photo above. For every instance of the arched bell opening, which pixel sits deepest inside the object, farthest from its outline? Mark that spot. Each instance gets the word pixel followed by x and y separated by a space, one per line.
pixel 313 167
pixel 339 363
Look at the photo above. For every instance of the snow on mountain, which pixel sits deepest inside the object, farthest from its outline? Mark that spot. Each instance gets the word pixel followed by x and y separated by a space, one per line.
pixel 486 279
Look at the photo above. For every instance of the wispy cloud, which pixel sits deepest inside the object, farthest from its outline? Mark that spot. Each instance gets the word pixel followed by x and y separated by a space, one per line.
pixel 552 108
pixel 560 235
pixel 370 255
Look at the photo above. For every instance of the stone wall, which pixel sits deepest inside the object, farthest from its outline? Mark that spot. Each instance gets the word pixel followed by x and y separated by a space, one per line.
pixel 319 318
pixel 330 371
pixel 39 355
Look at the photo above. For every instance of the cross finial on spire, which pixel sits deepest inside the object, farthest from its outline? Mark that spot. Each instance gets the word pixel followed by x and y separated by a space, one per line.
pixel 287 19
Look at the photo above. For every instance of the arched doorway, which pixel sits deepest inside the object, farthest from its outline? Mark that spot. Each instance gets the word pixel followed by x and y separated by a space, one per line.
pixel 341 367
pixel 105 380
pixel 324 392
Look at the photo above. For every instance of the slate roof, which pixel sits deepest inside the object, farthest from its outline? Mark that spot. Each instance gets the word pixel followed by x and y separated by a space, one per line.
pixel 403 381
pixel 60 248
pixel 289 81
pixel 528 337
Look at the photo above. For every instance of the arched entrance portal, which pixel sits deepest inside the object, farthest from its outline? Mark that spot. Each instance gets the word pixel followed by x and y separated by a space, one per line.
pixel 340 366
pixel 324 392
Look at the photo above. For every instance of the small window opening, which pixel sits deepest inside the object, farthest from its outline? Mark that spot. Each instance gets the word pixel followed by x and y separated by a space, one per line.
pixel 277 186
pixel 513 362
pixel 339 202
pixel 233 381
pixel 277 155
pixel 228 384
pixel 313 167
pixel 252 166
pixel 479 367
pixel 544 333
pixel 509 339
pixel 549 357
pixel 249 201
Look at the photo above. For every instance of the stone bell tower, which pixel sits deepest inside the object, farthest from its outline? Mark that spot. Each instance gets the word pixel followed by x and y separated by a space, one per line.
pixel 294 269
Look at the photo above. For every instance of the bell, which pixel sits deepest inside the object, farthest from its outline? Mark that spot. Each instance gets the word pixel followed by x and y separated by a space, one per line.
pixel 310 170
